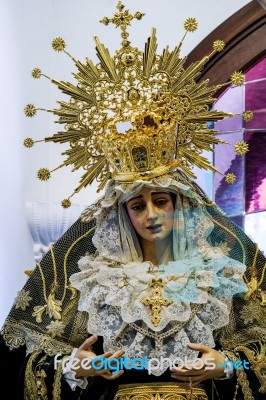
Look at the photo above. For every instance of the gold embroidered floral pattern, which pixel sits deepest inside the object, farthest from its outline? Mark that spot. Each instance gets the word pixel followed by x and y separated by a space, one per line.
pixel 55 328
pixel 23 299
pixel 257 358
pixel 52 308
pixel 251 313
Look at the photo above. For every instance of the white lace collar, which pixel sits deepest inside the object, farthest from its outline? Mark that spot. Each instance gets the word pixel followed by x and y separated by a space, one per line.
pixel 112 295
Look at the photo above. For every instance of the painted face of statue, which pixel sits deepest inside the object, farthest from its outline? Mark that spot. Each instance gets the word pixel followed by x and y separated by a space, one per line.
pixel 151 213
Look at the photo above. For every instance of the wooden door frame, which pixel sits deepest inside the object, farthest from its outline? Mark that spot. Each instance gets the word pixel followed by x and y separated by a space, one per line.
pixel 244 34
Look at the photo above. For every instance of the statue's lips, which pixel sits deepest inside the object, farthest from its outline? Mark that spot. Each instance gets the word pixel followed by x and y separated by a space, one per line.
pixel 154 228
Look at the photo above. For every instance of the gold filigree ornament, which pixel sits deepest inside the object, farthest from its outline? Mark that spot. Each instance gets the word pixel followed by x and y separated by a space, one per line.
pixel 160 391
pixel 156 301
pixel 257 359
pixel 136 114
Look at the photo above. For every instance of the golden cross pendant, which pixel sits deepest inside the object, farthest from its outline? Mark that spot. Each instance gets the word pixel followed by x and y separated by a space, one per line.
pixel 156 301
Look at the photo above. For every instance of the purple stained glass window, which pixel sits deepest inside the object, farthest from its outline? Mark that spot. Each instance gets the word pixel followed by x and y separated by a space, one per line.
pixel 258 71
pixel 229 197
pixel 255 173
pixel 238 220
pixel 255 100
pixel 248 194
pixel 232 101
pixel 245 201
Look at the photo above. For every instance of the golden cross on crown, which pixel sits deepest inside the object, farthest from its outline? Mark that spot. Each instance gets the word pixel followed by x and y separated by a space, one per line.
pixel 122 19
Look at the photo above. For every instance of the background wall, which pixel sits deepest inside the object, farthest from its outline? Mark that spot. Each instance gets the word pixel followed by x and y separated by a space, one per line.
pixel 26 30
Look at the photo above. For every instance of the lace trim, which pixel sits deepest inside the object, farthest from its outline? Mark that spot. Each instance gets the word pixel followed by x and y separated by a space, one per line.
pixel 115 311
pixel 183 282
pixel 17 334
pixel 115 190
pixel 158 338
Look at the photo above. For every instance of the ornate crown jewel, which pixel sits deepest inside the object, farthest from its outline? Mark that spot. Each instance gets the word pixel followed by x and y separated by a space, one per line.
pixel 135 115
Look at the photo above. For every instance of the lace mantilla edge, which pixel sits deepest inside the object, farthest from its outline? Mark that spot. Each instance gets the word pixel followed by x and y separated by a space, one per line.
pixel 17 334
pixel 115 190
pixel 182 282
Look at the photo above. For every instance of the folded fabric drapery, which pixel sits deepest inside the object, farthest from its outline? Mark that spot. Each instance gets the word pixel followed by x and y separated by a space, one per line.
pixel 48 222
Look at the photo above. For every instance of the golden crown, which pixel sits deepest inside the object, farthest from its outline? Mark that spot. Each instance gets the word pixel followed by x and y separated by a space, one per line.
pixel 136 115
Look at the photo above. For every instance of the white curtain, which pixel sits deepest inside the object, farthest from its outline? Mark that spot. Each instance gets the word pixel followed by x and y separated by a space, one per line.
pixel 48 222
